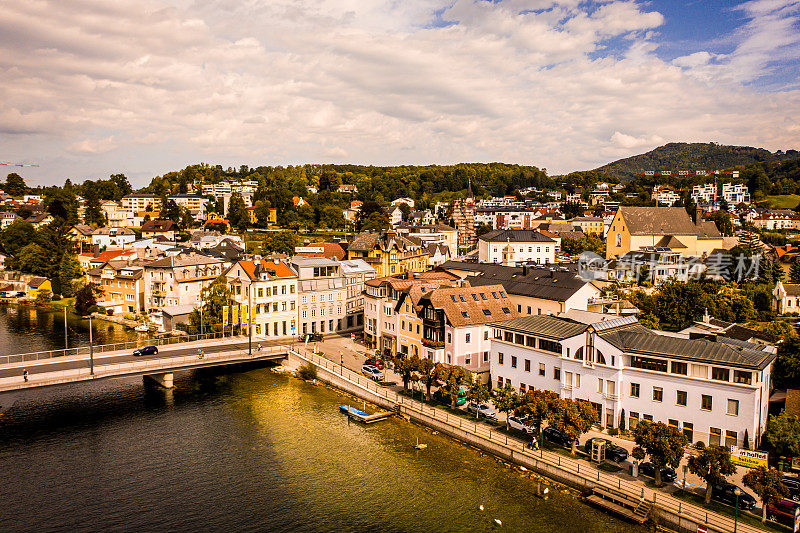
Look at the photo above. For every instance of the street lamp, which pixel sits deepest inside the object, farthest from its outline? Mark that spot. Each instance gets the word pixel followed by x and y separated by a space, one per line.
pixel 341 363
pixel 91 348
pixel 738 492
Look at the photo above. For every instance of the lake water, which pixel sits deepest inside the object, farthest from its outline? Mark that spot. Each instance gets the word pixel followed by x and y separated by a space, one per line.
pixel 245 449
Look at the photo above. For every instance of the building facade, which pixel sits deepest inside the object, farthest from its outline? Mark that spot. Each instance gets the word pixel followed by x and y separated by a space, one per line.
pixel 179 279
pixel 269 290
pixel 714 390
pixel 512 247
pixel 322 295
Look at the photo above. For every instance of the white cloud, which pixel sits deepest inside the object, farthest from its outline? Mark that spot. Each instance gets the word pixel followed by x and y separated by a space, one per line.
pixel 93 146
pixel 370 81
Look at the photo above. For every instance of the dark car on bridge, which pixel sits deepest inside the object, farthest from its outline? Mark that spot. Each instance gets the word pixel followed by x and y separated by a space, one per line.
pixel 558 436
pixel 146 350
pixel 725 493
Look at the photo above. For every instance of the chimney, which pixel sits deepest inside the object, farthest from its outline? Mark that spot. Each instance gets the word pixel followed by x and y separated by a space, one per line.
pixel 524 270
pixel 698 215
pixel 96 250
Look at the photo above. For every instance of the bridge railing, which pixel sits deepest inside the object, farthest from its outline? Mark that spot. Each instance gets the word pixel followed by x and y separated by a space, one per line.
pixel 102 348
pixel 158 364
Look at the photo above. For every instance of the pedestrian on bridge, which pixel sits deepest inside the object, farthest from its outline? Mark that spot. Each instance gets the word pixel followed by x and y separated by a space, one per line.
pixel 25 374
pixel 199 353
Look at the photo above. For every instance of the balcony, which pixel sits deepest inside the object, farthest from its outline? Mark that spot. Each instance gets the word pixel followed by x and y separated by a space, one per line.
pixel 430 343
pixel 613 397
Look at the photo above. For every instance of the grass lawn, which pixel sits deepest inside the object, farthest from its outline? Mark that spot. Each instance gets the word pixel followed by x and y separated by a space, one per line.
pixel 609 467
pixel 744 517
pixel 784 201
pixel 62 303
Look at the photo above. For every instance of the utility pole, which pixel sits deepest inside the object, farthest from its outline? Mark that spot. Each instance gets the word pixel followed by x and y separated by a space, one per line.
pixel 66 337
pixel 201 319
pixel 91 348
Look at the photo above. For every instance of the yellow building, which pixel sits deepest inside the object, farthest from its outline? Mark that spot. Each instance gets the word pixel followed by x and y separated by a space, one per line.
pixel 635 228
pixel 588 224
pixel 39 284
pixel 389 253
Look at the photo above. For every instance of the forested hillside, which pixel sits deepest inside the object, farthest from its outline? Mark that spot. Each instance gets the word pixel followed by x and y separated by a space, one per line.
pixel 694 156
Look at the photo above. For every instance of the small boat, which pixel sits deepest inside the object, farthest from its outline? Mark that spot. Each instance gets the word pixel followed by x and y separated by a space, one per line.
pixel 348 409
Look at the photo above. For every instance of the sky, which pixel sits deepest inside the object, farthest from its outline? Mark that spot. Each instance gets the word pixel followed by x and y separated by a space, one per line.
pixel 90 88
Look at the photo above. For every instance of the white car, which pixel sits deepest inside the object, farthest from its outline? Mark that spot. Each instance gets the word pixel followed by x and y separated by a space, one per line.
pixel 519 424
pixel 483 410
pixel 372 372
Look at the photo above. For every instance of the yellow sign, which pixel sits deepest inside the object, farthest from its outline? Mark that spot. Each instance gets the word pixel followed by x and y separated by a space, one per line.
pixel 225 311
pixel 748 458
pixel 245 314
pixel 235 320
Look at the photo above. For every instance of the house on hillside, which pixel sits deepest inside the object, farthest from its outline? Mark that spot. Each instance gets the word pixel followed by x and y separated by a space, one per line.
pixel 165 229
pixel 38 284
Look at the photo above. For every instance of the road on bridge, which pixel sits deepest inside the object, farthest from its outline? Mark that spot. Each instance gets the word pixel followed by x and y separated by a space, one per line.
pixel 57 364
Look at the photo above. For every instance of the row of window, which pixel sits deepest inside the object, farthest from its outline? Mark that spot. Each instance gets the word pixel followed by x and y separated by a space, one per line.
pixel 303 298
pixel 681 399
pixel 321 311
pixel 526 340
pixel 714 434
pixel 697 370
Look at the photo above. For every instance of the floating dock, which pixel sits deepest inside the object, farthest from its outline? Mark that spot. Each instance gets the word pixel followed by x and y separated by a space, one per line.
pixel 360 416
pixel 635 510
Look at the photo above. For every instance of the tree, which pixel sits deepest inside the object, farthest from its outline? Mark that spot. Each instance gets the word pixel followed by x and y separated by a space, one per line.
pixel 794 270
pixel 214 298
pixel 68 270
pixel 86 298
pixel 713 464
pixel 506 400
pixel 237 212
pixel 62 204
pixel 376 222
pixel 536 406
pixel 33 259
pixel 93 214
pixel 16 236
pixel 662 443
pixel 572 209
pixel 482 229
pixel 404 366
pixel 427 375
pixel 170 211
pixel 574 417
pixel 281 242
pixel 786 371
pixel 44 298
pixel 723 221
pixel 15 185
pixel 477 392
pixel 454 378
pixel 766 483
pixel 783 433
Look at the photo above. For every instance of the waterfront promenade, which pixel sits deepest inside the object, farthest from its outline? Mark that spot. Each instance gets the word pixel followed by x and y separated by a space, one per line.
pixel 671 511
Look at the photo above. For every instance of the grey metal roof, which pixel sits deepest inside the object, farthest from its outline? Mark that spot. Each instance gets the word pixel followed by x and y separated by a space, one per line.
pixel 554 283
pixel 641 341
pixel 543 326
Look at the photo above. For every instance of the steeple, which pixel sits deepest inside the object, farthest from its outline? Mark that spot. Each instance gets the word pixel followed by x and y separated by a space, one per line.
pixel 469 188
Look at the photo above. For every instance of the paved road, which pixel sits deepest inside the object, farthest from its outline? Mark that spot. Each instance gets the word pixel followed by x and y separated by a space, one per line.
pixel 164 353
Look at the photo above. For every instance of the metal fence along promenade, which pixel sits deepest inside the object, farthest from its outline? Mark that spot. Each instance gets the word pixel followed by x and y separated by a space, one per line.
pixel 592 477
pixel 103 348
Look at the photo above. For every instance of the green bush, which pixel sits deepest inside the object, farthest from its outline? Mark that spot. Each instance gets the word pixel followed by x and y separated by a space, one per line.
pixel 110 312
pixel 307 372
pixel 613 431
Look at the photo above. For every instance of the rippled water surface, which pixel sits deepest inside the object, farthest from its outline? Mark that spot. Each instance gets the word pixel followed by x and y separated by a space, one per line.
pixel 250 450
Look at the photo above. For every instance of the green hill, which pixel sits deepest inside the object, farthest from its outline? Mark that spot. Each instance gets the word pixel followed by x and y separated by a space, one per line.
pixel 693 156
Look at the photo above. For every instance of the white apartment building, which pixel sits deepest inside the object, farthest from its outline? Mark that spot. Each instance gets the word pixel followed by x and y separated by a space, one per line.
pixel 703 193
pixel 512 247
pixel 178 279
pixel 735 194
pixel 195 203
pixel 664 195
pixel 269 289
pixel 322 294
pixel 215 189
pixel 7 218
pixel 715 390
pixel 133 203
pixel 432 234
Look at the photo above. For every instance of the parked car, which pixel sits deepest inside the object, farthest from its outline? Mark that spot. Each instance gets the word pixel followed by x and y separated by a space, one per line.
pixel 613 452
pixel 376 362
pixel 482 409
pixel 519 424
pixel 725 493
pixel 146 350
pixel 372 372
pixel 558 436
pixel 782 512
pixel 668 474
pixel 793 485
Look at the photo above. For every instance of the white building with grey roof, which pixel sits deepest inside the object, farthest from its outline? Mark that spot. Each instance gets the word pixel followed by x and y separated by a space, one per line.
pixel 516 246
pixel 714 389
